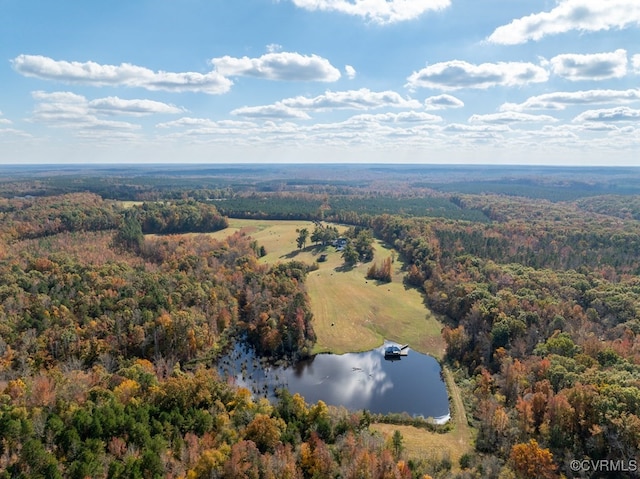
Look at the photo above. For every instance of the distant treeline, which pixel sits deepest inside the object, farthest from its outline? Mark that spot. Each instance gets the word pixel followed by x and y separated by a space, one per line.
pixel 343 208
pixel 626 207
pixel 537 189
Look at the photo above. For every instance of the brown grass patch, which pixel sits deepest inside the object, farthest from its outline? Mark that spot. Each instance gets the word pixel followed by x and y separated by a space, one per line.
pixel 420 443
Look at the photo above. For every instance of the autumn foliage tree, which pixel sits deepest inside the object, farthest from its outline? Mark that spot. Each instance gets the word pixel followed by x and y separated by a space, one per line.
pixel 530 461
pixel 382 272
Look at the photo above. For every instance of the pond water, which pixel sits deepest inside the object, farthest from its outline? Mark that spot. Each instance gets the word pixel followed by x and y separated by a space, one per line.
pixel 412 384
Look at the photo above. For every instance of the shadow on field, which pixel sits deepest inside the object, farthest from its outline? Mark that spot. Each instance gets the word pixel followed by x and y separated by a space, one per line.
pixel 343 268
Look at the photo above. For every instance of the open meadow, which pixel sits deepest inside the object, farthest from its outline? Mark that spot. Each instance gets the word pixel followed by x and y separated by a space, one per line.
pixel 351 313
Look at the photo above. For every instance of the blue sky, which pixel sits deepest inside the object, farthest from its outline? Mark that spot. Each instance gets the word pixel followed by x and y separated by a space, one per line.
pixel 406 81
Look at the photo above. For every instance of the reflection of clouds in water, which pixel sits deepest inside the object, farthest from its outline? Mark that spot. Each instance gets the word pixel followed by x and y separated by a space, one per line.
pixel 372 380
pixel 355 381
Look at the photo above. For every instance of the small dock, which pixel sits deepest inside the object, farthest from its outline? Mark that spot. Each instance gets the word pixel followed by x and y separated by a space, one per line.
pixel 396 351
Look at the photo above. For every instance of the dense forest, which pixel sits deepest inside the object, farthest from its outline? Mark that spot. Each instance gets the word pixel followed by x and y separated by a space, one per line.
pixel 106 355
pixel 543 321
pixel 108 337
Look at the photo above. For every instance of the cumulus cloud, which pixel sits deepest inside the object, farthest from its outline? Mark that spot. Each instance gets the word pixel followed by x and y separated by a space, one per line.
pixel 582 15
pixel 125 74
pixel 117 106
pixel 442 102
pixel 350 71
pixel 62 107
pixel 188 122
pixel 402 117
pixel 563 99
pixel 362 99
pixel 481 128
pixel 456 74
pixel 378 11
pixel 295 108
pixel 597 66
pixel 70 110
pixel 279 66
pixel 204 126
pixel 620 113
pixel 103 106
pixel 276 111
pixel 510 117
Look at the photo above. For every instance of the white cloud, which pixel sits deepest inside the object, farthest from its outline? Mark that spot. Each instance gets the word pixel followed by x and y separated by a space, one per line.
pixel 296 108
pixel 204 126
pixel 414 117
pixel 480 132
pixel 63 107
pixel 582 15
pixel 635 61
pixel 58 96
pixel 458 127
pixel 378 11
pixel 125 74
pixel 593 126
pixel 510 117
pixel 562 99
pixel 12 132
pixel 69 110
pixel 362 99
pixel 103 106
pixel 597 66
pixel 4 121
pixel 456 74
pixel 276 111
pixel 188 122
pixel 402 117
pixel 274 47
pixel 442 102
pixel 279 66
pixel 117 106
pixel 621 113
pixel 350 71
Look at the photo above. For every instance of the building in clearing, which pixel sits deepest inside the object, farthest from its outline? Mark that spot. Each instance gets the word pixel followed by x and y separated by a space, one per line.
pixel 340 243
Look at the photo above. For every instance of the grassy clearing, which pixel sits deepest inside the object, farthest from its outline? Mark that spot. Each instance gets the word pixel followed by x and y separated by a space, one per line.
pixel 352 314
pixel 130 204
pixel 422 444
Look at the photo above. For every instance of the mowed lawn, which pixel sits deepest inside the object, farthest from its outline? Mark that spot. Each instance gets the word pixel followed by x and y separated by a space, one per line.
pixel 351 313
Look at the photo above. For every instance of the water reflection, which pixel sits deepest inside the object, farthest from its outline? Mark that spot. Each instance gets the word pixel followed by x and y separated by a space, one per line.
pixel 355 380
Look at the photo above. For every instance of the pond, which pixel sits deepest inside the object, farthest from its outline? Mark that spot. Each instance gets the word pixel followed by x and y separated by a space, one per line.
pixel 411 384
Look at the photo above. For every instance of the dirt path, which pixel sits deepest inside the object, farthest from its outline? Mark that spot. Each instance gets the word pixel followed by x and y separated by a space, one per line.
pixel 462 431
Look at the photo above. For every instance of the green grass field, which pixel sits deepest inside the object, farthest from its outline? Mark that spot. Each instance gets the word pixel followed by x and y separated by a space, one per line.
pixel 350 312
